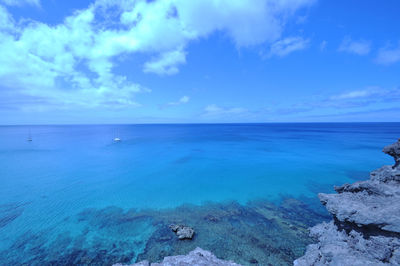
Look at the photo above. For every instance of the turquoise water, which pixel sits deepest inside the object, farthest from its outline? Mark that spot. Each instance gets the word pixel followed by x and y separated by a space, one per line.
pixel 55 189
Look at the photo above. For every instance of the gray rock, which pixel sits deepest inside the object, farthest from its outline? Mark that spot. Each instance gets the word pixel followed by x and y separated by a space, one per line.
pixel 336 247
pixel 368 204
pixel 366 221
pixel 142 263
pixel 182 231
pixel 394 151
pixel 198 257
pixel 386 174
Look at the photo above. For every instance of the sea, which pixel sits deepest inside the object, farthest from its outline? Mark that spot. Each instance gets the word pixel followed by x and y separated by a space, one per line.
pixel 74 196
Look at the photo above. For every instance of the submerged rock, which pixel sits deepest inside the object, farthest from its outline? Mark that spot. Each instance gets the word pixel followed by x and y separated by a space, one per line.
pixel 182 231
pixel 366 221
pixel 198 257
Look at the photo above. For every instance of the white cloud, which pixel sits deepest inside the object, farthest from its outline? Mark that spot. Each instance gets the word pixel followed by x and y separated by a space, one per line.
pixel 215 110
pixel 387 55
pixel 367 96
pixel 288 45
pixel 353 94
pixel 166 63
pixel 6 21
pixel 323 45
pixel 182 100
pixel 57 63
pixel 20 2
pixel 74 62
pixel 360 47
pixel 355 100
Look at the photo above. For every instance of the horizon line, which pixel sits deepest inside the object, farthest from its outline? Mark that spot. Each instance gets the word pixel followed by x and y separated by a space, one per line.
pixel 201 123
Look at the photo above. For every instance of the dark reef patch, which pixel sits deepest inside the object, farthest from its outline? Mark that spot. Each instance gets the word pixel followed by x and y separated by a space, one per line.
pixel 318 187
pixel 101 237
pixel 183 160
pixel 259 232
pixel 9 212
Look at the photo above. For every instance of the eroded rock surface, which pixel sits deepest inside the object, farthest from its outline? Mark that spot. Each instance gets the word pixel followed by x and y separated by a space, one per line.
pixel 366 221
pixel 337 247
pixel 198 257
pixel 182 231
pixel 394 151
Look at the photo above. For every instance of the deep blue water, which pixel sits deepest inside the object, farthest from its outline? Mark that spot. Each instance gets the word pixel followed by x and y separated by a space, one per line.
pixel 68 169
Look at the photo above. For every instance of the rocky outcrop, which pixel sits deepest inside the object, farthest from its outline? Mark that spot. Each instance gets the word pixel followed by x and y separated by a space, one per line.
pixel 337 246
pixel 182 231
pixel 394 151
pixel 198 257
pixel 366 221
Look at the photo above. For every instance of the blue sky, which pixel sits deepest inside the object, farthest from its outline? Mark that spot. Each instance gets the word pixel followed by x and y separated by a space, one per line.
pixel 199 61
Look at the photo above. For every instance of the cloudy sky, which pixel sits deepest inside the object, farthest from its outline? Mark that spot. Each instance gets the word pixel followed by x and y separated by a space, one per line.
pixel 198 61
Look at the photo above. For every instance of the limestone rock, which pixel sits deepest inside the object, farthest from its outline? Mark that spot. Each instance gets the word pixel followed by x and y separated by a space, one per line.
pixel 369 203
pixel 336 247
pixel 197 257
pixel 394 151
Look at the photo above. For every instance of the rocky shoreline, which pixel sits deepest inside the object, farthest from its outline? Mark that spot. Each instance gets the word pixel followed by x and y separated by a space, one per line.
pixel 365 229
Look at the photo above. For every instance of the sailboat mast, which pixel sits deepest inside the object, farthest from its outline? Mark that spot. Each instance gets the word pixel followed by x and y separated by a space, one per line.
pixel 29 135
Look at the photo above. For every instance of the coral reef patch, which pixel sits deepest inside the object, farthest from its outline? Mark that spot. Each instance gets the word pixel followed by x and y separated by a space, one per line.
pixel 256 233
pixel 259 232
pixel 100 237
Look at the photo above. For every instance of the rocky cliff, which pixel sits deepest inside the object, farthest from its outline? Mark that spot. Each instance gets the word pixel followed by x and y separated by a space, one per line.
pixel 365 229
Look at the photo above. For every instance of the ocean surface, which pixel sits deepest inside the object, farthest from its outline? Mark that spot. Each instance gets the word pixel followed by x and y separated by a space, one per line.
pixel 74 196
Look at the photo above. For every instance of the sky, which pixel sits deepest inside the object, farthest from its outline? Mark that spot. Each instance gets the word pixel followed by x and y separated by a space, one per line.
pixel 199 61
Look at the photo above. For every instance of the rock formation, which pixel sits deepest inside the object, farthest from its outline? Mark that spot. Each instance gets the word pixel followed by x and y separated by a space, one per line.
pixel 198 257
pixel 182 231
pixel 366 221
pixel 394 151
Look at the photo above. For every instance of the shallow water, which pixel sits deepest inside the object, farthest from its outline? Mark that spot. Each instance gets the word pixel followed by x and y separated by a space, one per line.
pixel 72 195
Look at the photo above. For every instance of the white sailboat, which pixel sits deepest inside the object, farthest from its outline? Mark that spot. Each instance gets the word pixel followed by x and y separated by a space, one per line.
pixel 117 139
pixel 29 136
